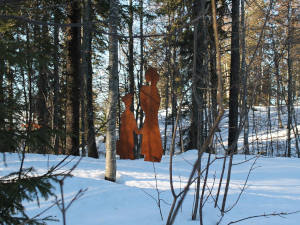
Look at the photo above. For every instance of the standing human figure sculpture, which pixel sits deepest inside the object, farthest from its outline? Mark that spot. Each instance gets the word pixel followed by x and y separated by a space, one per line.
pixel 125 144
pixel 151 146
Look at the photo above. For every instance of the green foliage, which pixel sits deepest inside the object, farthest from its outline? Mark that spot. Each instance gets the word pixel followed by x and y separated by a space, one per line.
pixel 22 186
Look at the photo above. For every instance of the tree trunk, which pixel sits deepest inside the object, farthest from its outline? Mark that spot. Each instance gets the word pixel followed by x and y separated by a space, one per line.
pixel 138 111
pixel 56 86
pixel 83 87
pixel 140 82
pixel 244 74
pixel 234 76
pixel 174 88
pixel 42 96
pixel 30 74
pixel 2 106
pixel 131 69
pixel 278 94
pixel 73 80
pixel 168 56
pixel 130 56
pixel 213 76
pixel 88 72
pixel 290 78
pixel 234 91
pixel 83 110
pixel 110 168
pixel 2 71
pixel 200 50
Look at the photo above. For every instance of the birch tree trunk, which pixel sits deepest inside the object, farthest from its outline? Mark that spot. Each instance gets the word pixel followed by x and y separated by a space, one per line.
pixel 110 168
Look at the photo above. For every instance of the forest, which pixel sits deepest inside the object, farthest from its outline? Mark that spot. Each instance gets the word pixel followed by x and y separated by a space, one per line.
pixel 226 87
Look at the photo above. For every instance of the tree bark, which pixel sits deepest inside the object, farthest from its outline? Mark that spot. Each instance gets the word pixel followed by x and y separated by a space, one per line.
pixel 2 105
pixel 56 87
pixel 73 80
pixel 130 56
pixel 110 168
pixel 290 78
pixel 29 62
pixel 200 50
pixel 140 82
pixel 278 83
pixel 213 76
pixel 199 64
pixel 88 71
pixel 234 76
pixel 83 109
pixel 244 81
pixel 2 64
pixel 42 97
pixel 168 56
pixel 233 94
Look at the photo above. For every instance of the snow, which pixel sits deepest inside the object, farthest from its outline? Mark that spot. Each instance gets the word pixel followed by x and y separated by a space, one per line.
pixel 273 187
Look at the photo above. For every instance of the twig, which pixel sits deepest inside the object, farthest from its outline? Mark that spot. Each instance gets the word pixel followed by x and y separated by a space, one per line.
pixel 39 214
pixel 264 215
pixel 158 192
pixel 244 186
pixel 247 160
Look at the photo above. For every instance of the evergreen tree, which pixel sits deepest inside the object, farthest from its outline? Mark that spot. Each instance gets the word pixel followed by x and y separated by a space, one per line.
pixel 73 79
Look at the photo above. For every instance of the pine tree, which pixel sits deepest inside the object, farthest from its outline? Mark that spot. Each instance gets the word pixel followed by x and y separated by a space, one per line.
pixel 88 71
pixel 17 187
pixel 73 79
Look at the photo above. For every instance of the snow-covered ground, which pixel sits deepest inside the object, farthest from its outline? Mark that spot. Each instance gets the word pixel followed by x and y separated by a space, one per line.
pixel 273 186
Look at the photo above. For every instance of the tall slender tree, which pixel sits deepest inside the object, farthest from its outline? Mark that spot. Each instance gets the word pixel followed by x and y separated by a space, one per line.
pixel 234 75
pixel 56 85
pixel 42 84
pixel 110 168
pixel 290 75
pixel 2 106
pixel 199 69
pixel 200 52
pixel 88 71
pixel 245 116
pixel 73 79
pixel 234 92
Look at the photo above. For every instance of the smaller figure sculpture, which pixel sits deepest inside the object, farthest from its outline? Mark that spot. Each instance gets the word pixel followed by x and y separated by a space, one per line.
pixel 125 144
pixel 151 146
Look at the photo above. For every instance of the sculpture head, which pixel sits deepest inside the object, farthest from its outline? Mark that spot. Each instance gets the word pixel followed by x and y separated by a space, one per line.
pixel 127 99
pixel 152 75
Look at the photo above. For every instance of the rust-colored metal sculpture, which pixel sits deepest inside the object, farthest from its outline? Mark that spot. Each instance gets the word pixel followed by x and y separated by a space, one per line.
pixel 125 145
pixel 151 146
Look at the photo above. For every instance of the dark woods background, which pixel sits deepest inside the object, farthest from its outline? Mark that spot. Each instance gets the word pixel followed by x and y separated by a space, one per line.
pixel 57 73
pixel 64 66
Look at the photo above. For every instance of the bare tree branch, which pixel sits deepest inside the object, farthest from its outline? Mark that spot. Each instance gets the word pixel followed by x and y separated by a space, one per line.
pixel 264 215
